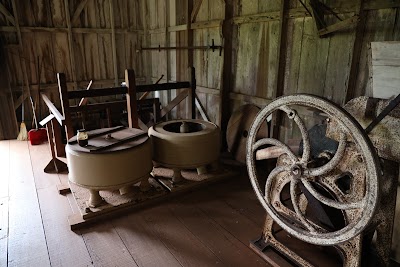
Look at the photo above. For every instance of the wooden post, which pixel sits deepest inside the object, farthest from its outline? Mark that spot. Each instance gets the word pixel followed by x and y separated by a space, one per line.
pixel 192 94
pixel 189 32
pixel 357 48
pixel 277 118
pixel 63 90
pixel 60 148
pixel 70 43
pixel 227 69
pixel 113 43
pixel 131 102
pixel 156 110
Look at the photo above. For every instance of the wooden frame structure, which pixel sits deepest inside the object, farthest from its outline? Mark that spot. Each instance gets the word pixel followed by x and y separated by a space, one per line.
pixel 56 120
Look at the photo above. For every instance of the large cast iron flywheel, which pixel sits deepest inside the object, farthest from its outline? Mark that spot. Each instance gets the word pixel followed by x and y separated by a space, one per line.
pixel 309 184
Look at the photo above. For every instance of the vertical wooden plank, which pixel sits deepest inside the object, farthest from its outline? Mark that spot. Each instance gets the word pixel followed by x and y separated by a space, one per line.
pixel 292 57
pixel 357 48
pixel 62 55
pixel 58 13
pixel 338 67
pixel 227 68
pixel 200 56
pixel 44 50
pixel 113 42
pixel 106 58
pixel 146 55
pixel 131 99
pixel 79 55
pixel 248 58
pixel 59 146
pixel 70 44
pixel 27 243
pixel 63 90
pixel 91 55
pixel 122 54
pixel 214 60
pixel 248 7
pixel 313 60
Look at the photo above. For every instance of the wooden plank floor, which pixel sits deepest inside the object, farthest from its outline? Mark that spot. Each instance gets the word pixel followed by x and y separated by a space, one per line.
pixel 209 227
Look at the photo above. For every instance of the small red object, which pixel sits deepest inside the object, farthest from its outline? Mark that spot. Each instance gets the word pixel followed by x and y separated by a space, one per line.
pixel 37 136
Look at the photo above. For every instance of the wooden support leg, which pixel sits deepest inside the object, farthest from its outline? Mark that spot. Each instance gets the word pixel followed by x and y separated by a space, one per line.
pixel 202 170
pixel 55 165
pixel 95 198
pixel 177 176
pixel 60 147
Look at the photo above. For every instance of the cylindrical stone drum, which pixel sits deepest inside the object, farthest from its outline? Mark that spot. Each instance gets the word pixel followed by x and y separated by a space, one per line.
pixel 185 143
pixel 115 167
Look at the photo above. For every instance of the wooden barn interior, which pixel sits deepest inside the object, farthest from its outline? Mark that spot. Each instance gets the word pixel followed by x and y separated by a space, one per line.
pixel 74 67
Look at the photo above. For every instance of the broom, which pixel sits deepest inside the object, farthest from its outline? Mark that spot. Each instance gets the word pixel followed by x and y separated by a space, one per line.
pixel 23 133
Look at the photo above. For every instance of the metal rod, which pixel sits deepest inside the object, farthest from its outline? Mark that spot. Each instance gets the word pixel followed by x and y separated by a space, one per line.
pixel 383 114
pixel 204 47
pixel 181 47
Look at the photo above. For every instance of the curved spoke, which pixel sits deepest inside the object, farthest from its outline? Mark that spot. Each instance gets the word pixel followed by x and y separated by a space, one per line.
pixel 330 202
pixel 333 162
pixel 271 177
pixel 294 198
pixel 292 114
pixel 271 141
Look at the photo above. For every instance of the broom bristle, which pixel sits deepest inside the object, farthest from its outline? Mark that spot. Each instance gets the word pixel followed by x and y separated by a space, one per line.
pixel 23 133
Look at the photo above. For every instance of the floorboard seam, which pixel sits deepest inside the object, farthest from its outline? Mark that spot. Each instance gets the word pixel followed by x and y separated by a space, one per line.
pixel 156 234
pixel 111 223
pixel 172 212
pixel 40 208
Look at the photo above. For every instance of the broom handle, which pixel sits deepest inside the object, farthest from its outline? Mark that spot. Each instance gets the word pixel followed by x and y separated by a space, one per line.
pixel 34 113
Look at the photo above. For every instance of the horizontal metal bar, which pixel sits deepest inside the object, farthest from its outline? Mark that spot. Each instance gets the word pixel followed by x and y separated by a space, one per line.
pixel 98 106
pixel 111 104
pixel 217 47
pixel 123 90
pixel 96 92
pixel 161 86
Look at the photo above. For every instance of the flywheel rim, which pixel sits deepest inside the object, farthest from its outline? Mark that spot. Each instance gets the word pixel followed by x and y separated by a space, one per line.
pixel 370 199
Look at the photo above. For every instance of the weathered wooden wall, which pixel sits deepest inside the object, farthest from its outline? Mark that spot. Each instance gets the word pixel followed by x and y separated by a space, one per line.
pixel 87 40
pixel 270 56
pixel 275 48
